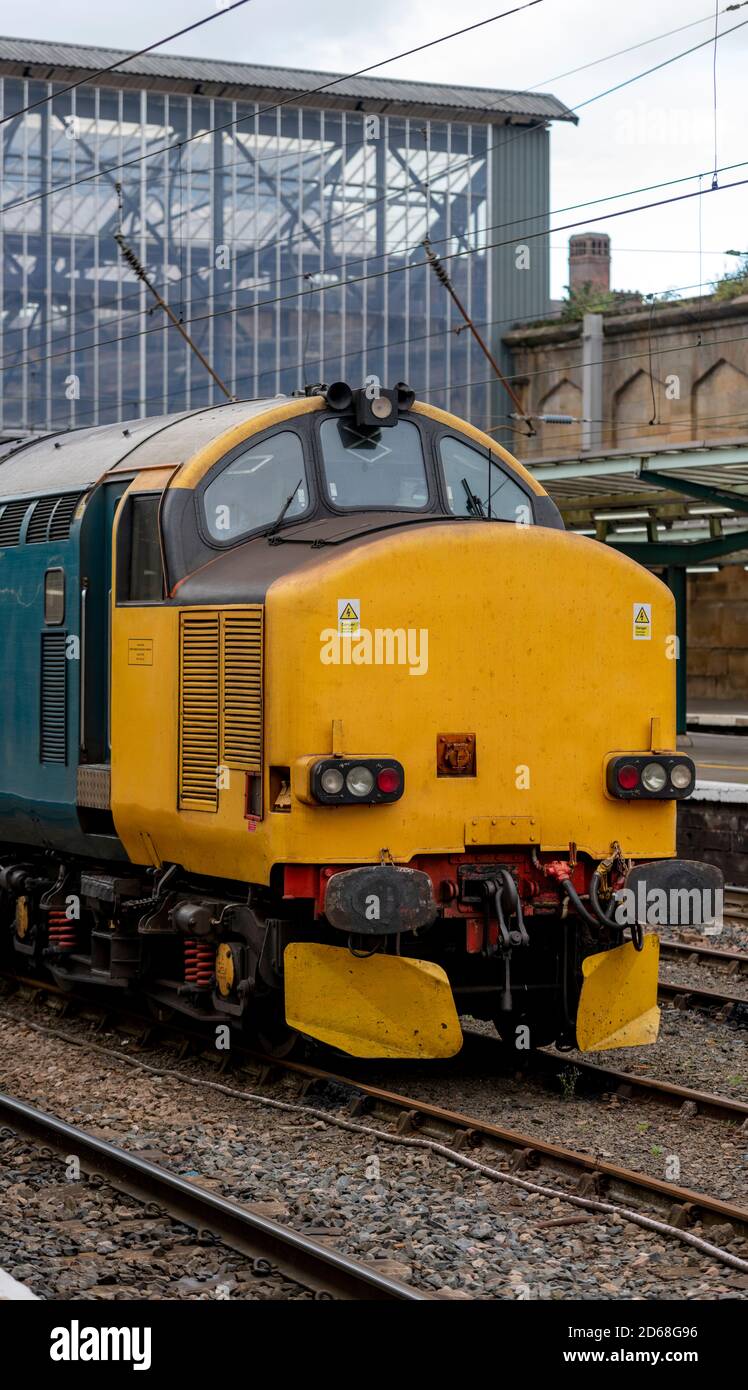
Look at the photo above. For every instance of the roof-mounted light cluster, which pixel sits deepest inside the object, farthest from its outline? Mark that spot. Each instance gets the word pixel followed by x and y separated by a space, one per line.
pixel 376 411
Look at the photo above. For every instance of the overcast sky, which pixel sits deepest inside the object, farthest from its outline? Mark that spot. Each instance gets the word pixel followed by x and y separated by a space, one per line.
pixel 659 128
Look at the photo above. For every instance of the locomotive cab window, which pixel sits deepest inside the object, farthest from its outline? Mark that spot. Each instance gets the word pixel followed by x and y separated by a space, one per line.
pixel 260 486
pixel 139 565
pixel 373 469
pixel 472 480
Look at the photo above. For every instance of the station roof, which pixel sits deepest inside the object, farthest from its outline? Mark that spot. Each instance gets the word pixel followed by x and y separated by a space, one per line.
pixel 665 504
pixel 65 62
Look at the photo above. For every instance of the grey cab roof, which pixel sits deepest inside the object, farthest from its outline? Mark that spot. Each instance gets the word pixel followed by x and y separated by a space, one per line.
pixel 73 460
pixel 54 62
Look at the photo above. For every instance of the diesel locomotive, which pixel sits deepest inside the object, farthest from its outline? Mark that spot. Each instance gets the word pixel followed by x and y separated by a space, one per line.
pixel 315 721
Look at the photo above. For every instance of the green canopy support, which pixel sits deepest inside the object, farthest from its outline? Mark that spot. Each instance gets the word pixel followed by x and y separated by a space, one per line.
pixel 661 554
pixel 737 501
pixel 676 580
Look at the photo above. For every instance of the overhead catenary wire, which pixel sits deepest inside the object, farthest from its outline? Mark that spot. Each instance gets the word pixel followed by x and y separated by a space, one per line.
pixel 414 340
pixel 227 125
pixel 452 169
pixel 130 258
pixel 259 304
pixel 409 266
pixel 363 208
pixel 403 249
pixel 522 377
pixel 714 87
pixel 274 106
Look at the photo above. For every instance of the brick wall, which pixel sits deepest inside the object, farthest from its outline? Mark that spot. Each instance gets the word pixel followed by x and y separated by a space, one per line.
pixel 716 833
pixel 718 635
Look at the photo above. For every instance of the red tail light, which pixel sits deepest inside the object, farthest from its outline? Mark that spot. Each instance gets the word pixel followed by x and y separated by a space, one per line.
pixel 650 776
pixel 357 781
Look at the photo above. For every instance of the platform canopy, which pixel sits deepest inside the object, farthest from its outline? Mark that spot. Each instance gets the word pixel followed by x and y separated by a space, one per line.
pixel 667 505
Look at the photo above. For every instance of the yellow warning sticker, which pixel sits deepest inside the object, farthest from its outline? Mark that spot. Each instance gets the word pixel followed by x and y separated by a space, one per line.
pixel 642 622
pixel 349 615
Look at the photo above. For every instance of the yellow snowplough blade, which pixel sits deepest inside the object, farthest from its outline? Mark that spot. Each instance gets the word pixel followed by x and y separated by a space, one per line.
pixel 380 1006
pixel 618 1003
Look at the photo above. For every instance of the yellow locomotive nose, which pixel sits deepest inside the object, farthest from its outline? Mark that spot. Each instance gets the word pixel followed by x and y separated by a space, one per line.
pixel 480 660
pixel 509 646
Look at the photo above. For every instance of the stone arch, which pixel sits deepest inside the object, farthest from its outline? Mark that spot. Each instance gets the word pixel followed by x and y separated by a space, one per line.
pixel 563 398
pixel 633 409
pixel 719 401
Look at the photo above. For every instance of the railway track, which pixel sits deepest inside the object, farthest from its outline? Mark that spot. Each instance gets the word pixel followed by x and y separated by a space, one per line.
pixel 590 1077
pixel 731 964
pixel 729 1007
pixel 583 1173
pixel 590 1176
pixel 735 962
pixel 736 902
pixel 323 1270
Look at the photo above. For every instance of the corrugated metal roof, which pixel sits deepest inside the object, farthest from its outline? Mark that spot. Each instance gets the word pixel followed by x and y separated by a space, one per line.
pixel 78 458
pixel 250 81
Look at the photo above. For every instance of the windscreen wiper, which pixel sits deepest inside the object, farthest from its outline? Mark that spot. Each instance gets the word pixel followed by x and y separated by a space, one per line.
pixel 475 506
pixel 281 515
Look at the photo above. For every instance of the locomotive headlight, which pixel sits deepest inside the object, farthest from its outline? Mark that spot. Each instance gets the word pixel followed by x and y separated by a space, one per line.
pixel 360 781
pixel 381 407
pixel 654 777
pixel 332 781
pixel 650 776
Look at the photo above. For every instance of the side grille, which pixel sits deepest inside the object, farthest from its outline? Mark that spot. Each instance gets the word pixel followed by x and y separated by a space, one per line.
pixel 36 530
pixel 11 521
pixel 50 520
pixel 241 689
pixel 53 722
pixel 199 654
pixel 62 516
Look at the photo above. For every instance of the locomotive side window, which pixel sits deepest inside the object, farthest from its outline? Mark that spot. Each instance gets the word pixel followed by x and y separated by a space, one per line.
pixel 144 572
pixel 468 478
pixel 54 597
pixel 374 469
pixel 254 489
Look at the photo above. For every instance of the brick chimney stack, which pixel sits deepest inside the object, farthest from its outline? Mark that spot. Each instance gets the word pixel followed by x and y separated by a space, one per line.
pixel 589 261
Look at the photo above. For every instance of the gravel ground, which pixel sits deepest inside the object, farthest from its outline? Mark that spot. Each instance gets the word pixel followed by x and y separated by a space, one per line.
pixel 701 976
pixel 84 1240
pixel 694 1050
pixel 428 1219
pixel 732 935
pixel 712 1155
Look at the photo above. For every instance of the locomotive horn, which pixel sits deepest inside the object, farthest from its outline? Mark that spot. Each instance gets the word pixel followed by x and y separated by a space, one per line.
pixel 405 396
pixel 339 395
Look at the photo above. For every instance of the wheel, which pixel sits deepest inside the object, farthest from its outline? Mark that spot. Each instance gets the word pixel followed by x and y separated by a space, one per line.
pixel 269 1030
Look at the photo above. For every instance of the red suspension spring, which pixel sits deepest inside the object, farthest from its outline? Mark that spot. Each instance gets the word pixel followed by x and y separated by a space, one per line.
pixel 199 962
pixel 62 931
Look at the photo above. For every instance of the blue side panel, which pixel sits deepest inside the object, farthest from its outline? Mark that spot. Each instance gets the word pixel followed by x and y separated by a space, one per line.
pixel 40 700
